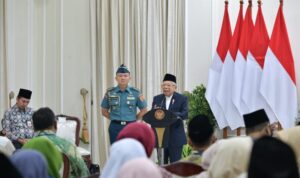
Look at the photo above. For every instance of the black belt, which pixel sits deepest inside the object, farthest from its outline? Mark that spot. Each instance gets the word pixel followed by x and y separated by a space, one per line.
pixel 122 122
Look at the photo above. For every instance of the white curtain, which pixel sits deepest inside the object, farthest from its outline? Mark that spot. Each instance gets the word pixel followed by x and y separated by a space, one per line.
pixel 145 35
pixel 3 63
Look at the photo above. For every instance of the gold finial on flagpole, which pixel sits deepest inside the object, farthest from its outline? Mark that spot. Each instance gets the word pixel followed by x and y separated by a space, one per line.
pixel 259 2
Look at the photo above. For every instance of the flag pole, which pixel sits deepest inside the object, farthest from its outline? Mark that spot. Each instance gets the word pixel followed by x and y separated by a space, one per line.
pixel 238 130
pixel 225 130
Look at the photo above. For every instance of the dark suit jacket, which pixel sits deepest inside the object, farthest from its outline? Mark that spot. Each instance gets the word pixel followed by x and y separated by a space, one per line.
pixel 179 106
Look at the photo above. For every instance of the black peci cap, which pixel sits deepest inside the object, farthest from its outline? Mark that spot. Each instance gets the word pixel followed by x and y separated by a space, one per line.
pixel 255 118
pixel 170 77
pixel 24 93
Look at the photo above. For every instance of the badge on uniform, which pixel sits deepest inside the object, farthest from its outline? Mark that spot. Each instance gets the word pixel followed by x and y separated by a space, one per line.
pixel 29 124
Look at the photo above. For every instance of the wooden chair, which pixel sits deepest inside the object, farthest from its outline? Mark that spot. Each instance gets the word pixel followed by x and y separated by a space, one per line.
pixel 72 120
pixel 66 166
pixel 183 169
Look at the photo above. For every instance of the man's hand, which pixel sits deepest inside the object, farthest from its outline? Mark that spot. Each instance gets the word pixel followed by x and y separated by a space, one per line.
pixel 22 140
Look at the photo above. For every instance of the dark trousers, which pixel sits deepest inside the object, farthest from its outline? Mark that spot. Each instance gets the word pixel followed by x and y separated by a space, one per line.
pixel 113 130
pixel 173 154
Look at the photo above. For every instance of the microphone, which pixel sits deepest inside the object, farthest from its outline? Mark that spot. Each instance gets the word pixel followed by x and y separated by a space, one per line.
pixel 162 103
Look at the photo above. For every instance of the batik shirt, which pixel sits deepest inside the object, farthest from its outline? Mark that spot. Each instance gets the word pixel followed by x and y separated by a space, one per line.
pixel 195 157
pixel 17 123
pixel 78 166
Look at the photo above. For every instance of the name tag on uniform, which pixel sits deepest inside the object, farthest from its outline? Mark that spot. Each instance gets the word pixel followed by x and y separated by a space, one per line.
pixel 29 124
pixel 130 98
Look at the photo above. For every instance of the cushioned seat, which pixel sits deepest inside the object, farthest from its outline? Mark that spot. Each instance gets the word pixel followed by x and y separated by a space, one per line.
pixel 184 169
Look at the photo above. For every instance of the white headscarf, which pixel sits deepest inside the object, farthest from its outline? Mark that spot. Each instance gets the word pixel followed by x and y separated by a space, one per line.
pixel 232 158
pixel 121 152
pixel 210 153
pixel 291 136
pixel 139 167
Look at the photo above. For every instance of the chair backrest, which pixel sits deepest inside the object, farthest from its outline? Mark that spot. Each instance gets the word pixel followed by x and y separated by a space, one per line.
pixel 68 127
pixel 66 166
pixel 183 169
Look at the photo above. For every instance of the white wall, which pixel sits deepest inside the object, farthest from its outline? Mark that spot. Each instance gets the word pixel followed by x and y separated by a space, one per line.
pixel 198 31
pixel 203 21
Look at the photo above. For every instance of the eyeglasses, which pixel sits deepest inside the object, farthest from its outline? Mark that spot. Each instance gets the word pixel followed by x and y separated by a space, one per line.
pixel 167 85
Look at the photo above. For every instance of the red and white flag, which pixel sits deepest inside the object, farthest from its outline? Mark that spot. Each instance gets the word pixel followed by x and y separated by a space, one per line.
pixel 216 68
pixel 240 62
pixel 254 68
pixel 278 83
pixel 224 94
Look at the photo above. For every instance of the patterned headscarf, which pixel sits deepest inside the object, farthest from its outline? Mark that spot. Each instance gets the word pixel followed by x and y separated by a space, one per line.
pixel 142 133
pixel 30 163
pixel 50 152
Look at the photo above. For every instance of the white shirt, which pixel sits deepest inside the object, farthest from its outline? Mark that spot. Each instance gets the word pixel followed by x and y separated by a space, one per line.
pixel 168 101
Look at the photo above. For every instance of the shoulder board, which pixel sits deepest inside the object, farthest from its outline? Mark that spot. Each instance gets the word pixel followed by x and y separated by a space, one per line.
pixel 135 89
pixel 110 89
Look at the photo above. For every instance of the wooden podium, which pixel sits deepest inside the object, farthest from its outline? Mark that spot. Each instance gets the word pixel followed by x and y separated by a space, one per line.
pixel 160 120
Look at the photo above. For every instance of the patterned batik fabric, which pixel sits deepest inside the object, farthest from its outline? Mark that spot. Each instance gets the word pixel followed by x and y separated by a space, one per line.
pixel 17 123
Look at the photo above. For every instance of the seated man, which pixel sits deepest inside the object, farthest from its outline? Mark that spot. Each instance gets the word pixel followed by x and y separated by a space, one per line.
pixel 257 124
pixel 200 137
pixel 17 121
pixel 44 123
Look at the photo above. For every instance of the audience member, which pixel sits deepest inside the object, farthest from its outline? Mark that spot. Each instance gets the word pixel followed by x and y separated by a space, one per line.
pixel 6 146
pixel 139 168
pixel 263 164
pixel 17 122
pixel 208 156
pixel 50 152
pixel 142 133
pixel 231 158
pixel 8 170
pixel 257 124
pixel 30 163
pixel 44 123
pixel 291 136
pixel 200 137
pixel 120 152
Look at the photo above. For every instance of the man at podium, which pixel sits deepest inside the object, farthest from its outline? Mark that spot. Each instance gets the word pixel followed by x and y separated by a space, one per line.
pixel 178 105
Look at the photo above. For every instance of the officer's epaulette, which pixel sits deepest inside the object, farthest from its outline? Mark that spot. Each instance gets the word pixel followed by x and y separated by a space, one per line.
pixel 110 89
pixel 135 89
